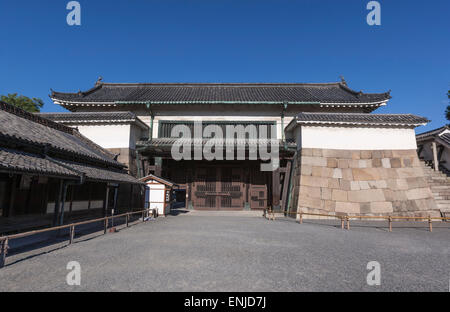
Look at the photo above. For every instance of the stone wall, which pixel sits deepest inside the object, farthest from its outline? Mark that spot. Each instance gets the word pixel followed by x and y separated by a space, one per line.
pixel 369 182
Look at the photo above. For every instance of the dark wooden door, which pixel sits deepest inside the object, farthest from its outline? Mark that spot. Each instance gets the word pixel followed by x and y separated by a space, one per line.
pixel 218 188
pixel 231 188
pixel 258 190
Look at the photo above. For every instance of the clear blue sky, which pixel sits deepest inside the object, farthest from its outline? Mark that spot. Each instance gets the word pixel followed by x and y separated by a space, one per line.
pixel 231 41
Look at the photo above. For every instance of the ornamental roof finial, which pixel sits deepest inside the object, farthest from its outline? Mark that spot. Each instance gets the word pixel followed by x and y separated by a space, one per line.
pixel 343 80
pixel 99 80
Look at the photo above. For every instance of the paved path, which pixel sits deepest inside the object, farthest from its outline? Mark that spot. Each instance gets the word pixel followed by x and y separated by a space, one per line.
pixel 203 252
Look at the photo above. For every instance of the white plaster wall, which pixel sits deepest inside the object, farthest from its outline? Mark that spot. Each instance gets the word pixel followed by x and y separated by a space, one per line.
pixel 352 138
pixel 109 136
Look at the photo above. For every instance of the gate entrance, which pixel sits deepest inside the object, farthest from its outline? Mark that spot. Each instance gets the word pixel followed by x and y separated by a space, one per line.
pixel 219 188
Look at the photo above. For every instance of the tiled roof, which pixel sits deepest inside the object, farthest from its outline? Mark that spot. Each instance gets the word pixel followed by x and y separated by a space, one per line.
pixel 442 135
pixel 93 117
pixel 31 144
pixel 13 160
pixel 446 138
pixel 431 133
pixel 32 129
pixel 361 119
pixel 159 179
pixel 208 93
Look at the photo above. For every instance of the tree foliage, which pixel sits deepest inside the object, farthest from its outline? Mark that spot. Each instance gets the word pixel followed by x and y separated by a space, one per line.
pixel 447 111
pixel 32 105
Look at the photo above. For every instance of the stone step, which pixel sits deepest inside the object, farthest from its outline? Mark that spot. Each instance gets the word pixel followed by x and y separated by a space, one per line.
pixel 443 186
pixel 437 197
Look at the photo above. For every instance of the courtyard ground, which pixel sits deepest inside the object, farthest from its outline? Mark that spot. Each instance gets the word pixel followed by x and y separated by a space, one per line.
pixel 240 252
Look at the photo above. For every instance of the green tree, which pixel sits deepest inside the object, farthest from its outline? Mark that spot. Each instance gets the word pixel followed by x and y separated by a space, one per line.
pixel 447 111
pixel 33 105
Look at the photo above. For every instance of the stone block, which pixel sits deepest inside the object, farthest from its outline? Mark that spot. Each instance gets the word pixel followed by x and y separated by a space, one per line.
pixel 314 181
pixel 365 208
pixel 365 174
pixel 387 153
pixel 377 154
pixel 363 163
pixel 333 183
pixel 321 172
pixel 310 191
pixel 309 202
pixel 325 193
pixel 317 152
pixel 331 162
pixel 346 207
pixel 305 169
pixel 410 172
pixel 344 185
pixel 354 185
pixel 381 207
pixel 404 153
pixel 407 162
pixel 354 163
pixel 329 205
pixel 347 154
pixel 380 184
pixel 376 163
pixel 372 195
pixel 306 151
pixel 386 163
pixel 347 174
pixel 314 161
pixel 419 193
pixel 366 154
pixel 364 185
pixel 339 195
pixel 356 155
pixel 416 182
pixel 337 173
pixel 343 163
pixel 396 163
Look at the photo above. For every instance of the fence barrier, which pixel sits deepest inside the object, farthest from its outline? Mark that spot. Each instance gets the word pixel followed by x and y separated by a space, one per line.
pixel 270 215
pixel 4 240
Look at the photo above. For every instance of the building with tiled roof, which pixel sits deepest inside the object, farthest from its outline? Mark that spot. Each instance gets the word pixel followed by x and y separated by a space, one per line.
pixel 287 146
pixel 434 147
pixel 41 161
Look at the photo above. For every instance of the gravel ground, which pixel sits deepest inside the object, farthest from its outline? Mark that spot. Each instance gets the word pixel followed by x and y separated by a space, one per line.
pixel 195 252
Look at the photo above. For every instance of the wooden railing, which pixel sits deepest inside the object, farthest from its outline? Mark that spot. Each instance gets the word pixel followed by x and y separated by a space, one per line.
pixel 4 240
pixel 345 220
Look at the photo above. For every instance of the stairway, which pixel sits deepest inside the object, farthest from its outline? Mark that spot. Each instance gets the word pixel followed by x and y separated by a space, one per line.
pixel 440 187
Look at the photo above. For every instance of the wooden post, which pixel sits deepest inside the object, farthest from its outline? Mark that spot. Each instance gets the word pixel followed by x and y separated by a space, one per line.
pixel 301 218
pixel 390 224
pixel 72 234
pixel 348 222
pixel 3 252
pixel 276 189
pixel 342 222
pixel 105 226
pixel 287 178
pixel 128 218
pixel 143 215
pixel 435 156
pixel 430 223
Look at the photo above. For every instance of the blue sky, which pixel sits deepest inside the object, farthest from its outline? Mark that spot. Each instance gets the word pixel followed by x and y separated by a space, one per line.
pixel 231 41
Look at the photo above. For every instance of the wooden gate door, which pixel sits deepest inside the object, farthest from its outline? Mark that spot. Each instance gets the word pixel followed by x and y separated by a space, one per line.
pixel 231 188
pixel 218 188
pixel 205 188
pixel 258 190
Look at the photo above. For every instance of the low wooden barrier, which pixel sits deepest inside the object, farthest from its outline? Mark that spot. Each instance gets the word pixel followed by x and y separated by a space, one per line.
pixel 345 220
pixel 5 239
